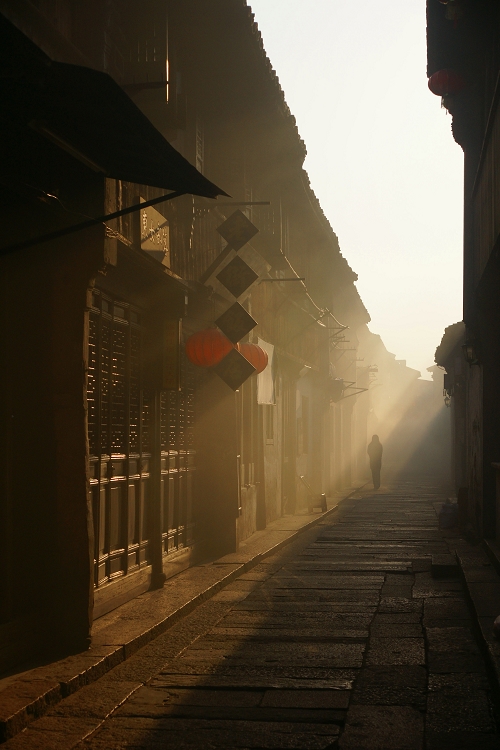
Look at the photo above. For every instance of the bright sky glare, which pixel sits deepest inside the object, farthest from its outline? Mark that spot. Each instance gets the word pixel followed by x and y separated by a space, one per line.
pixel 381 157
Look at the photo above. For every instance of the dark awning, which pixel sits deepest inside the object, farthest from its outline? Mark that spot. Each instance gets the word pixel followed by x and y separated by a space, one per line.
pixel 88 115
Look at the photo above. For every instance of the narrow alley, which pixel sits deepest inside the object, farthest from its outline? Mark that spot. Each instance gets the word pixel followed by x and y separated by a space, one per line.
pixel 357 634
pixel 245 502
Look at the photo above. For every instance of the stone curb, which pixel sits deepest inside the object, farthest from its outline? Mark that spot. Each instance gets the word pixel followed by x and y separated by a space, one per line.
pixel 482 584
pixel 30 697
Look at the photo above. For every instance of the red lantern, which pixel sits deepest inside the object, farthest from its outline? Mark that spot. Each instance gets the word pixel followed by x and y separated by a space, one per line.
pixel 255 355
pixel 207 348
pixel 446 82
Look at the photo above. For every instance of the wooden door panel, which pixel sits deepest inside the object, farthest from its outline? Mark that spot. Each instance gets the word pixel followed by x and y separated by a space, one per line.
pixel 132 514
pixel 144 519
pixel 178 461
pixel 115 518
pixel 119 414
pixel 101 496
pixel 120 432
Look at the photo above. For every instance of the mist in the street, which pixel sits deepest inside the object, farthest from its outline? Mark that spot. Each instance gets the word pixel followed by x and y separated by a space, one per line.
pixel 249 414
pixel 380 157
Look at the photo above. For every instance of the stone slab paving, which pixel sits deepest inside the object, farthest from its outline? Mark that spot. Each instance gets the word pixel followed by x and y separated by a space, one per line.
pixel 343 639
pixel 28 693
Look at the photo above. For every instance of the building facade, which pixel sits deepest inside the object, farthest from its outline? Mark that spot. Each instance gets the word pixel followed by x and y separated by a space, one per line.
pixel 123 462
pixel 463 40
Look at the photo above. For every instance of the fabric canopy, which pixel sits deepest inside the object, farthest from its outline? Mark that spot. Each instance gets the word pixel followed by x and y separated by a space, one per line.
pixel 87 114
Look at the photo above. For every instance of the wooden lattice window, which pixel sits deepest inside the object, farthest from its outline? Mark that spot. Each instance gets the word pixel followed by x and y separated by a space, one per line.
pixel 178 463
pixel 119 432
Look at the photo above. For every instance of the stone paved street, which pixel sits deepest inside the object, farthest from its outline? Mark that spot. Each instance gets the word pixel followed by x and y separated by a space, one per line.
pixel 343 639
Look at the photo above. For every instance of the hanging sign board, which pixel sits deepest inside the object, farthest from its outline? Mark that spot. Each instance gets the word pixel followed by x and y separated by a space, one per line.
pixel 237 230
pixel 237 276
pixel 155 238
pixel 234 369
pixel 235 322
pixel 256 268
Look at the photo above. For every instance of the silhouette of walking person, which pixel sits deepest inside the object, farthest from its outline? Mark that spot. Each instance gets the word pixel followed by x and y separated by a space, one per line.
pixel 374 451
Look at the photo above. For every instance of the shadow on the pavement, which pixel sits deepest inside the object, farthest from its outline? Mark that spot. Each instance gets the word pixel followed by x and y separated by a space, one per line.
pixel 340 628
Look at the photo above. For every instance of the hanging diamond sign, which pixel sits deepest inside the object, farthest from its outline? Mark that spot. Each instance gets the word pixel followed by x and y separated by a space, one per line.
pixel 237 230
pixel 235 322
pixel 234 369
pixel 237 276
